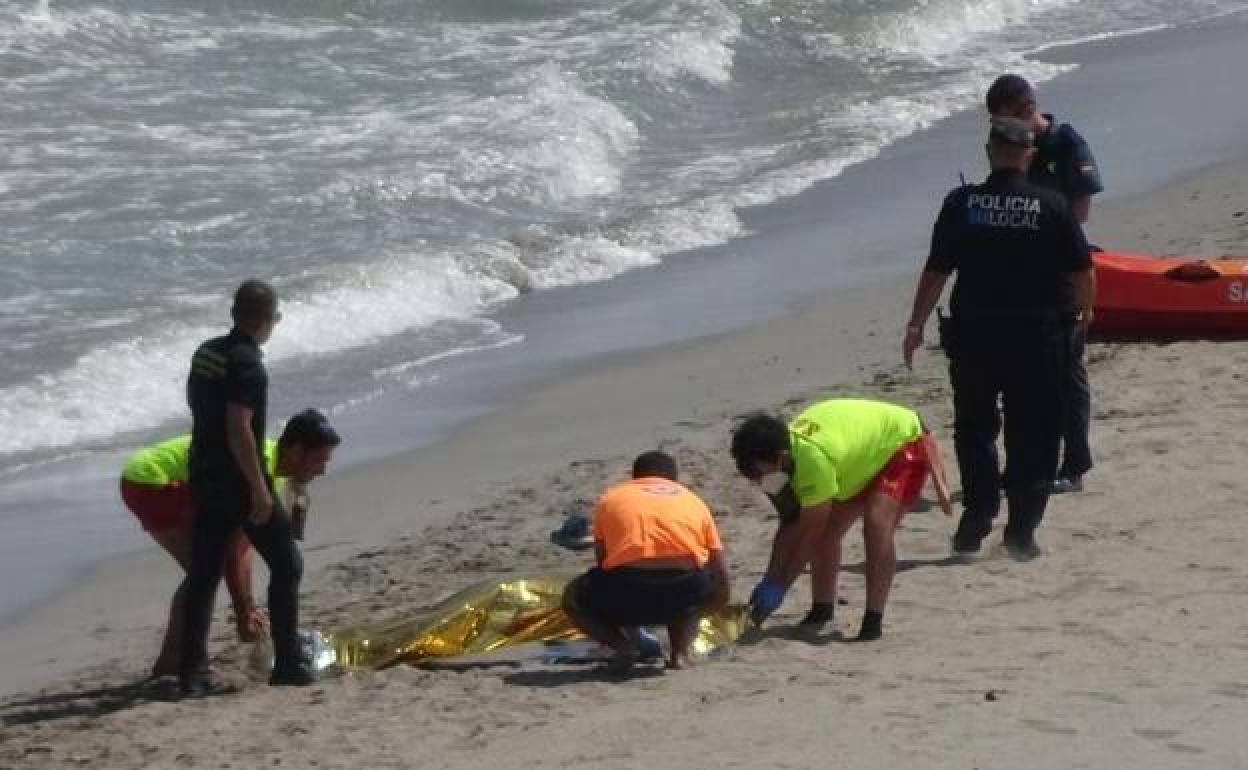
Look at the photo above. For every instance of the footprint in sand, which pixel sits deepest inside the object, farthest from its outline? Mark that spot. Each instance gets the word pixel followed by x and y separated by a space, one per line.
pixel 695 424
pixel 1232 690
pixel 1103 697
pixel 1166 735
pixel 1156 446
pixel 1052 728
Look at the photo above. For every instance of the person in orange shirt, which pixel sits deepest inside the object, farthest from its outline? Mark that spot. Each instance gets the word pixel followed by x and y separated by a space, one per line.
pixel 660 562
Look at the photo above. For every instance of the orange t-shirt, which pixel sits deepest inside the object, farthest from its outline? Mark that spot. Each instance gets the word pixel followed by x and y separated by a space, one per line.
pixel 653 518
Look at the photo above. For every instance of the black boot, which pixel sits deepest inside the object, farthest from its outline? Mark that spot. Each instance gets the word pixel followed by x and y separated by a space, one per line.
pixel 872 626
pixel 201 683
pixel 972 530
pixel 293 675
pixel 1027 506
pixel 820 615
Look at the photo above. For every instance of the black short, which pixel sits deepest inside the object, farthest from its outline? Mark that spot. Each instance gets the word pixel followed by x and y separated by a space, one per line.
pixel 628 596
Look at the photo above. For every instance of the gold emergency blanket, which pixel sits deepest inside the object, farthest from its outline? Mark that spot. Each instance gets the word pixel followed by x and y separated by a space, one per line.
pixel 492 616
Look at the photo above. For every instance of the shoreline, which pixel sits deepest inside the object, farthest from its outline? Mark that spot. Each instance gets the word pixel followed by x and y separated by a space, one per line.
pixel 511 442
pixel 596 386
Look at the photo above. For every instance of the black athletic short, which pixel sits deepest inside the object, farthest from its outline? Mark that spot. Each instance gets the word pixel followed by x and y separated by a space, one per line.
pixel 628 596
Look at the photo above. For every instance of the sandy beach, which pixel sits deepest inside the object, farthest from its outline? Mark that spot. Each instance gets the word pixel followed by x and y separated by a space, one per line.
pixel 1126 645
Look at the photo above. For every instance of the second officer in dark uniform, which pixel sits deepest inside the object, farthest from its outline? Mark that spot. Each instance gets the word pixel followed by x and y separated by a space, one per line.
pixel 1024 279
pixel 1063 162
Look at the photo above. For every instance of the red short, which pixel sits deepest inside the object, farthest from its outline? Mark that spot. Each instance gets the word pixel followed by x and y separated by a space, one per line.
pixel 158 508
pixel 902 478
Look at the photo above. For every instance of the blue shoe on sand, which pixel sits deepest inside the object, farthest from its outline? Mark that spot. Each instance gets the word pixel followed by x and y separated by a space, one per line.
pixel 648 647
pixel 574 534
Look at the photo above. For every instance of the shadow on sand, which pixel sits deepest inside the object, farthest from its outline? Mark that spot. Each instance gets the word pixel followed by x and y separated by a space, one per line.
pixel 49 706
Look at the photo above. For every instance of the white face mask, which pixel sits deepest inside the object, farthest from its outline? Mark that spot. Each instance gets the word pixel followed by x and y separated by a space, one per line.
pixel 772 483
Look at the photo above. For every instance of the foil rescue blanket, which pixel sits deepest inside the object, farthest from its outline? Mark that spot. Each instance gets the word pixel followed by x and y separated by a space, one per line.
pixel 493 616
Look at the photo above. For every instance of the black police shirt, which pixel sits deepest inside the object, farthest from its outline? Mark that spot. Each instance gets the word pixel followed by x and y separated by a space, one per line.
pixel 1014 246
pixel 1064 162
pixel 224 370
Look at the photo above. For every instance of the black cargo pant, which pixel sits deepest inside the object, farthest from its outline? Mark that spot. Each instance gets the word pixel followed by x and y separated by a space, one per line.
pixel 1013 371
pixel 217 517
pixel 1076 453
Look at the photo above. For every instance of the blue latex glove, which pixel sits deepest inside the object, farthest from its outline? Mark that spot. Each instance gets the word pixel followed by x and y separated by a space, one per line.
pixel 766 598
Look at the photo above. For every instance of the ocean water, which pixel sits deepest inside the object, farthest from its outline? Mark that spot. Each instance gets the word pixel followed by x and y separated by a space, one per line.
pixel 399 168
pixel 403 169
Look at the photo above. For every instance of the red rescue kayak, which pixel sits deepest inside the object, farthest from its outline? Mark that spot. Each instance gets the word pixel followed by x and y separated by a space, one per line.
pixel 1172 296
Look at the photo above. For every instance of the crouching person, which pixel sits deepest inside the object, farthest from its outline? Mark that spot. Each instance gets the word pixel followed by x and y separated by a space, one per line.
pixel 660 562
pixel 840 461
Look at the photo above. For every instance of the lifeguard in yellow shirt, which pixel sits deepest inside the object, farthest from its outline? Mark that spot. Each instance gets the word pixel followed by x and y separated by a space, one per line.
pixel 838 461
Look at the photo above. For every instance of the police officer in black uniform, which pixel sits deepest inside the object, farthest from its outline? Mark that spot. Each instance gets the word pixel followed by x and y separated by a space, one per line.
pixel 1024 280
pixel 1063 162
pixel 227 390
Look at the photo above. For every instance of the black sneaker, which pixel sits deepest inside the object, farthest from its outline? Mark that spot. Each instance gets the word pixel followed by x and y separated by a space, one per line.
pixel 962 546
pixel 203 684
pixel 866 634
pixel 872 627
pixel 299 675
pixel 818 617
pixel 1022 550
pixel 1064 484
pixel 970 534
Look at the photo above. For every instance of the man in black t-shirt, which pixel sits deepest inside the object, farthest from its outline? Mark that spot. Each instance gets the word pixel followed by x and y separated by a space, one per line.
pixel 227 390
pixel 1063 162
pixel 1024 280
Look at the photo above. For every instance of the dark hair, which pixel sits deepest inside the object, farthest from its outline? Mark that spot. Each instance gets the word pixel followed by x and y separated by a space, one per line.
pixel 760 438
pixel 1006 90
pixel 254 301
pixel 310 429
pixel 655 463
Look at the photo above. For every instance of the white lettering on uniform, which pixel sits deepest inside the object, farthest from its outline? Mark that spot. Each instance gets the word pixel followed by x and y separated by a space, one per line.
pixel 1236 292
pixel 996 210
